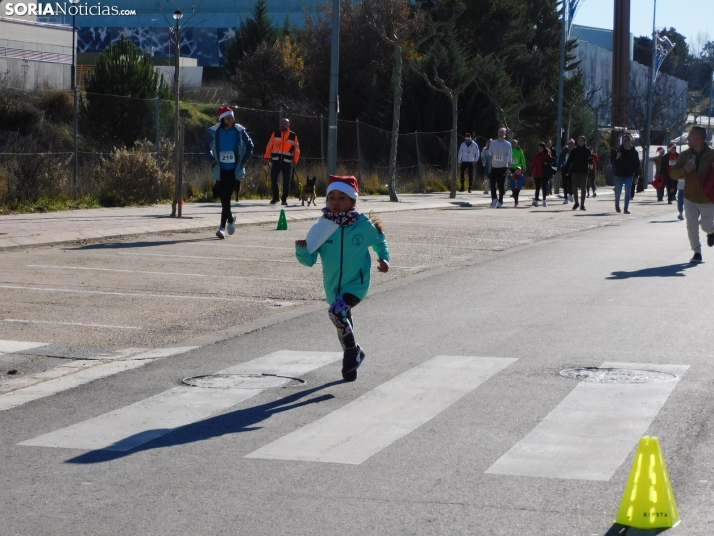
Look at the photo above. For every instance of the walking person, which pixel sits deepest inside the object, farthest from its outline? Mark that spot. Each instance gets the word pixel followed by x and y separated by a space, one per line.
pixel 468 155
pixel 671 184
pixel 550 173
pixel 501 156
pixel 342 238
pixel 282 153
pixel 516 182
pixel 228 147
pixel 625 163
pixel 486 160
pixel 578 164
pixel 565 178
pixel 592 172
pixel 540 165
pixel 661 163
pixel 691 166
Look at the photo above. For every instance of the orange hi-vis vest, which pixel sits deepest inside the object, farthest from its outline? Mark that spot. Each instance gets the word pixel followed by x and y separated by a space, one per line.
pixel 283 147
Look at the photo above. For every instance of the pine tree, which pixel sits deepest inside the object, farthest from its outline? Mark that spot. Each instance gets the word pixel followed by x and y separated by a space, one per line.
pixel 120 93
pixel 253 31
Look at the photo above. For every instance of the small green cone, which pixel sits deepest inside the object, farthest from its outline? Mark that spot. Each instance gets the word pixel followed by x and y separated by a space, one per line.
pixel 282 221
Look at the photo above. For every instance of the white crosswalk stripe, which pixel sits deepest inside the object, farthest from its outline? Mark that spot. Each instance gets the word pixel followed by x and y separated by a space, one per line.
pixel 591 432
pixel 389 412
pixel 131 426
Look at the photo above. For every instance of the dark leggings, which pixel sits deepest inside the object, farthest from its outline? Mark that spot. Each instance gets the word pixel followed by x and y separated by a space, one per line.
pixel 227 184
pixel 341 316
pixel 498 179
pixel 515 191
pixel 567 185
pixel 541 183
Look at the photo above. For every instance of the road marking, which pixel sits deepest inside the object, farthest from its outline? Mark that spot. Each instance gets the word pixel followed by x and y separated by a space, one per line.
pixel 218 276
pixel 9 347
pixel 140 294
pixel 18 391
pixel 591 432
pixel 68 324
pixel 131 426
pixel 362 428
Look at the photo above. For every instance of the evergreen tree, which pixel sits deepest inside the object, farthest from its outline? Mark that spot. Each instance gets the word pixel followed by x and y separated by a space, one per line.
pixel 120 93
pixel 251 33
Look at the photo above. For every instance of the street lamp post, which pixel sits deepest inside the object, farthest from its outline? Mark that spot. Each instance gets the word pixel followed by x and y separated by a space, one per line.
pixel 177 138
pixel 559 132
pixel 650 95
pixel 76 104
pixel 711 95
pixel 334 102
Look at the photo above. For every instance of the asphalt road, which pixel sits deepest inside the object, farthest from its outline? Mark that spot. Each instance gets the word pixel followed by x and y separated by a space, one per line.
pixel 465 339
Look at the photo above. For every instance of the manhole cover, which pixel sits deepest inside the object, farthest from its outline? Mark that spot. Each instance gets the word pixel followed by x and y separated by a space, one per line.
pixel 617 375
pixel 243 381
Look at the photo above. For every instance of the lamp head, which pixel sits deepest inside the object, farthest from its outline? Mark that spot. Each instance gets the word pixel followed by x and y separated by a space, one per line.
pixel 178 14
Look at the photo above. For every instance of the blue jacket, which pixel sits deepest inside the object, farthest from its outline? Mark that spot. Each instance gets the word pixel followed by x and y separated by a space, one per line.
pixel 243 150
pixel 346 262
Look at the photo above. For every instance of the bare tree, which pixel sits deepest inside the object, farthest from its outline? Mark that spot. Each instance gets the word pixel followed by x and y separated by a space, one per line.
pixel 405 27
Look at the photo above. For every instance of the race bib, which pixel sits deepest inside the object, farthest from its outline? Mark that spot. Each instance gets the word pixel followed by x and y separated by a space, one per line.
pixel 672 162
pixel 498 158
pixel 227 157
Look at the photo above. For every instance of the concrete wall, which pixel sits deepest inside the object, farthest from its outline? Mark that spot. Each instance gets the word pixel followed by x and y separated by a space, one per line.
pixel 35 55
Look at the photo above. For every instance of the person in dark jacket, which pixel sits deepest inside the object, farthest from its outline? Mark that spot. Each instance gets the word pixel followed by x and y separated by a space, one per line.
pixel 625 166
pixel 578 164
pixel 540 167
pixel 565 178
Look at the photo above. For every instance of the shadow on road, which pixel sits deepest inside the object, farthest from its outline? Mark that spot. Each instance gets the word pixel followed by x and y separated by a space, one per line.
pixel 242 420
pixel 621 530
pixel 664 221
pixel 673 270
pixel 143 244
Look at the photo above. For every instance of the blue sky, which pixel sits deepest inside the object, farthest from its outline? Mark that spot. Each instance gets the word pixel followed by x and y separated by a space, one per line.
pixel 688 17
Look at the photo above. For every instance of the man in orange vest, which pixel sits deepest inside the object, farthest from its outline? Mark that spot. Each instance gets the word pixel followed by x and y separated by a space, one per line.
pixel 283 151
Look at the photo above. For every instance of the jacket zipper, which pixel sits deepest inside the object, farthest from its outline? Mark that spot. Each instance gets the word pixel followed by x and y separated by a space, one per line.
pixel 342 247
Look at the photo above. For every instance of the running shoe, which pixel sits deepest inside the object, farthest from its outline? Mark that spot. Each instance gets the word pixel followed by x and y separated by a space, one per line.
pixel 221 233
pixel 499 205
pixel 351 360
pixel 493 203
pixel 697 258
pixel 680 217
pixel 545 203
pixel 710 239
pixel 231 226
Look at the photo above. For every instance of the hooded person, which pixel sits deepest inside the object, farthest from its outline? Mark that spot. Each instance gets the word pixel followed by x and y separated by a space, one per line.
pixel 467 157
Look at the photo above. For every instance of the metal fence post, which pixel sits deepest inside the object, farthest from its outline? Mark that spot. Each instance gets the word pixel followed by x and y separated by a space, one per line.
pixel 421 174
pixel 75 179
pixel 182 131
pixel 322 140
pixel 157 128
pixel 359 154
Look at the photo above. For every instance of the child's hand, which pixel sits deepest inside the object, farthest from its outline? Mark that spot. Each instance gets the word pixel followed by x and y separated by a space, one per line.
pixel 383 266
pixel 301 243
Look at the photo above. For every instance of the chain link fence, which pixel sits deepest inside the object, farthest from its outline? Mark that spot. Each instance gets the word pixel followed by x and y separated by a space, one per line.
pixel 124 149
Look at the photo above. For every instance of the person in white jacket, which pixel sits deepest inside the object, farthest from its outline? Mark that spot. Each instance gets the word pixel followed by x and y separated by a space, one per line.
pixel 468 156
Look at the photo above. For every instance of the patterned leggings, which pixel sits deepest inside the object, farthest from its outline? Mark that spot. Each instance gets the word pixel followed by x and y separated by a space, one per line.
pixel 341 316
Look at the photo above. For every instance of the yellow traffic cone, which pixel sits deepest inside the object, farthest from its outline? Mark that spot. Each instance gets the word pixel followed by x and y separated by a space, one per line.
pixel 282 221
pixel 648 502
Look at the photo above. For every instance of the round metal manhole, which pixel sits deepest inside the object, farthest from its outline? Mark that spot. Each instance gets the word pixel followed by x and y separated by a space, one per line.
pixel 617 375
pixel 243 381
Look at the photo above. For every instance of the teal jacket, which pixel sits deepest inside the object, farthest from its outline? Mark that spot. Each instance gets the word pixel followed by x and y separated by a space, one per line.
pixel 346 262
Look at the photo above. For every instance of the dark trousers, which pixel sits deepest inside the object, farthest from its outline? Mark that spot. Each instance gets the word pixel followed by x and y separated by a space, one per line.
pixel 498 179
pixel 226 185
pixel 591 181
pixel 470 167
pixel 541 183
pixel 567 184
pixel 671 190
pixel 276 169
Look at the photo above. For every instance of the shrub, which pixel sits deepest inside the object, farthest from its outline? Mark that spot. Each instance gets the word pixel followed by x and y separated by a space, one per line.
pixel 17 113
pixel 58 106
pixel 136 176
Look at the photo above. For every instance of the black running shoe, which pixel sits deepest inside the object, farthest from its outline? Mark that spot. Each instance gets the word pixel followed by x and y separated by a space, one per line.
pixel 697 258
pixel 349 376
pixel 710 240
pixel 274 201
pixel 352 359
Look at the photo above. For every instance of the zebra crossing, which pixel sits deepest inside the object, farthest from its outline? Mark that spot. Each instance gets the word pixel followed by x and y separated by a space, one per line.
pixel 586 436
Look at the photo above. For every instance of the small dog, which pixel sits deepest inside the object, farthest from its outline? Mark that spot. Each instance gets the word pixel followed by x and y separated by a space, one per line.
pixel 308 192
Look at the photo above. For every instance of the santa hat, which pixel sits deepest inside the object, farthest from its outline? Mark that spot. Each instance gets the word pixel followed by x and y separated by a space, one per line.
pixel 571 140
pixel 672 146
pixel 224 111
pixel 660 149
pixel 347 185
pixel 467 136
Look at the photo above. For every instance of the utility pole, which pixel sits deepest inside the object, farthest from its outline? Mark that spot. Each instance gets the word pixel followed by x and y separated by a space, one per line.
pixel 561 80
pixel 650 97
pixel 334 98
pixel 178 197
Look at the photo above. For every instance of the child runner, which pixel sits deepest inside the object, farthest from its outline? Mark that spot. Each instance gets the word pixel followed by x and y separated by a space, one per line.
pixel 342 238
pixel 517 182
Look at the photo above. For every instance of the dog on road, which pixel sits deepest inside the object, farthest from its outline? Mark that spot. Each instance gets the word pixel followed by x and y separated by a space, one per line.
pixel 309 192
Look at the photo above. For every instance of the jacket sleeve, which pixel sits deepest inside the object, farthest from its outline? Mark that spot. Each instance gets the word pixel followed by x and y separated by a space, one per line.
pixel 296 152
pixel 303 257
pixel 678 169
pixel 207 141
pixel 461 153
pixel 380 246
pixel 249 147
pixel 269 147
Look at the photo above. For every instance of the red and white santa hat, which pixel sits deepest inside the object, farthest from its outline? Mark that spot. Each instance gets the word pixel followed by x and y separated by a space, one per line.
pixel 660 149
pixel 467 136
pixel 672 146
pixel 347 185
pixel 224 111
